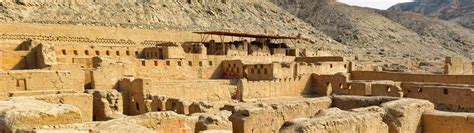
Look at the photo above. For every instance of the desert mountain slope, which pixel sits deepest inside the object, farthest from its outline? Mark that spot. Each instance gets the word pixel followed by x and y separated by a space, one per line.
pixel 239 16
pixel 382 32
pixel 460 11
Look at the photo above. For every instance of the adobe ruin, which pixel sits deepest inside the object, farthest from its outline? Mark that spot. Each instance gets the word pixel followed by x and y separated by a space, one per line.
pixel 96 79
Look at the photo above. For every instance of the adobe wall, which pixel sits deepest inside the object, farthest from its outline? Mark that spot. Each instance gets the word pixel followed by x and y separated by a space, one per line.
pixel 233 69
pixel 450 97
pixel 140 92
pixel 446 97
pixel 68 54
pixel 281 71
pixel 38 80
pixel 270 116
pixel 106 68
pixel 406 77
pixel 256 72
pixel 457 66
pixel 287 87
pixel 107 104
pixel 198 90
pixel 323 68
pixel 179 69
pixel 443 122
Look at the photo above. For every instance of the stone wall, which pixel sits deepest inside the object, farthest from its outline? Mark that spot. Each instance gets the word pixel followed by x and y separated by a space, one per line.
pixel 287 87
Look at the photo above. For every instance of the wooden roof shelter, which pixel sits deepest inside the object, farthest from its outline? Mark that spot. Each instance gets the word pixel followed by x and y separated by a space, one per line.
pixel 236 34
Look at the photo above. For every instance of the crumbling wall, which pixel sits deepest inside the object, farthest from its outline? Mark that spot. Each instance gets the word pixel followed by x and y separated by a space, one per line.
pixel 270 116
pixel 444 122
pixel 254 90
pixel 199 90
pixel 108 104
pixel 178 105
pixel 361 120
pixel 347 102
pixel 404 115
pixel 457 66
pixel 328 84
pixel 109 71
pixel 141 92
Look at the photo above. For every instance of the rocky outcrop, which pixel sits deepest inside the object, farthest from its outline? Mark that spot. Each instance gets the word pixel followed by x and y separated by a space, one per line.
pixel 27 115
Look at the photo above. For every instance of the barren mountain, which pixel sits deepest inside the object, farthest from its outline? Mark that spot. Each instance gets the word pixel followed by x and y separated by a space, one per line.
pixel 460 11
pixel 384 33
pixel 237 15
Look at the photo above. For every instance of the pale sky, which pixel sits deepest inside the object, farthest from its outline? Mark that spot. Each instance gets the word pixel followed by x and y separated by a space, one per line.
pixel 379 4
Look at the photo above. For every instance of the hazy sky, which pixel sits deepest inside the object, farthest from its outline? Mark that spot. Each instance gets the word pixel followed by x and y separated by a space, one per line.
pixel 379 4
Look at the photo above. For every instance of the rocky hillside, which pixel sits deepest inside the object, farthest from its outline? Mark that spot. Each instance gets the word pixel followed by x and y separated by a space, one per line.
pixel 189 15
pixel 383 35
pixel 460 11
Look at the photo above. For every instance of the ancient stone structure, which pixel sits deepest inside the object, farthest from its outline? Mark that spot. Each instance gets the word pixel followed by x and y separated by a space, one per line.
pixel 242 83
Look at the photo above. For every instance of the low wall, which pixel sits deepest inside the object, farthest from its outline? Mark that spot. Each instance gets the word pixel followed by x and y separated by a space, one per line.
pixel 447 122
pixel 254 90
pixel 38 80
pixel 406 77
